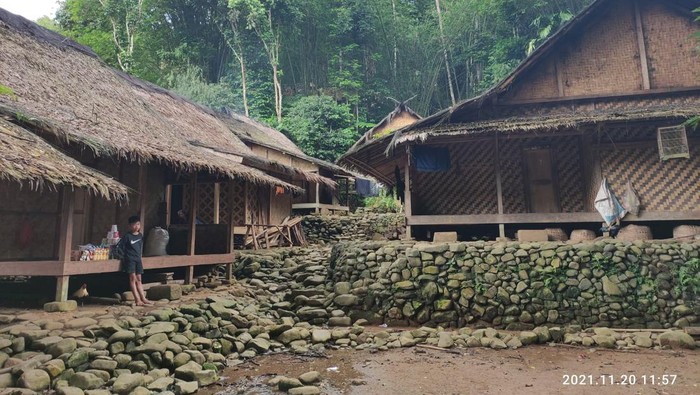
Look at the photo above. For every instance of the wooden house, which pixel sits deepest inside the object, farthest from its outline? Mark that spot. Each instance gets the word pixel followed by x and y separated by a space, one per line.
pixel 401 117
pixel 86 146
pixel 606 97
pixel 271 144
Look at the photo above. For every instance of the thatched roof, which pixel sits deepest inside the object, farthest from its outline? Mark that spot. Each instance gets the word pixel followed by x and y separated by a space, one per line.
pixel 251 131
pixel 27 159
pixel 545 124
pixel 372 135
pixel 62 88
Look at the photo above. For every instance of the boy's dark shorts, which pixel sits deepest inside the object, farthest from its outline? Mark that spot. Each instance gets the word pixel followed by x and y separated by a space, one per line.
pixel 133 267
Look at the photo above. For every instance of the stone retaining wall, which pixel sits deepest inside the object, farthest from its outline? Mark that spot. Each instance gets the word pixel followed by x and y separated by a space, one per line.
pixel 517 285
pixel 356 226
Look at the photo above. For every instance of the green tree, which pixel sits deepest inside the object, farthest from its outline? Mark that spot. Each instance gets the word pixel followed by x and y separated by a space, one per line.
pixel 320 126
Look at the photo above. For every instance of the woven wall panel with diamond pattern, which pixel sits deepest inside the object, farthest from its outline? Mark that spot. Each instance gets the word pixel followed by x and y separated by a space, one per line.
pixel 253 212
pixel 673 185
pixel 569 174
pixel 468 188
pixel 237 189
pixel 512 181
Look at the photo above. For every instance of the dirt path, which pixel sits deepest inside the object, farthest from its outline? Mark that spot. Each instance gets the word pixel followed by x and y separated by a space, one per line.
pixel 530 370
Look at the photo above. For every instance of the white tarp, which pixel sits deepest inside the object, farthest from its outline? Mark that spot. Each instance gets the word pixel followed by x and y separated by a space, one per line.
pixel 608 205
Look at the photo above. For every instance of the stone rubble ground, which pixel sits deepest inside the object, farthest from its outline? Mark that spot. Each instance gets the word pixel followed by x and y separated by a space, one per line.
pixel 282 302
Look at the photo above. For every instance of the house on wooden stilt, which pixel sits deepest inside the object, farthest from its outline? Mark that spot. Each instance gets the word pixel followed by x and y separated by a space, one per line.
pixel 86 146
pixel 606 97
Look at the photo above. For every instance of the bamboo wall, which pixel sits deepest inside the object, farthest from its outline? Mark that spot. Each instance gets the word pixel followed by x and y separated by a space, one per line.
pixel 469 187
pixel 672 185
pixel 604 56
pixel 22 209
pixel 671 47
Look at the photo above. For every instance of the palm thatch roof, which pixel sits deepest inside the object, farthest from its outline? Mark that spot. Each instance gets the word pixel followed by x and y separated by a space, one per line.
pixel 382 129
pixel 545 124
pixel 251 131
pixel 61 88
pixel 27 159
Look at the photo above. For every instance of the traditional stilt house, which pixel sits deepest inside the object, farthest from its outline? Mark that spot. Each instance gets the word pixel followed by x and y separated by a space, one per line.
pixel 86 146
pixel 399 118
pixel 271 144
pixel 606 97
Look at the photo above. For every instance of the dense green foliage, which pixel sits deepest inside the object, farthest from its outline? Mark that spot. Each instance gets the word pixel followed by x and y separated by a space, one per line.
pixel 263 56
pixel 321 127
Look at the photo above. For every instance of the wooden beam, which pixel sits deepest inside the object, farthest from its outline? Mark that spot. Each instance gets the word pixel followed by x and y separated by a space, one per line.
pixel 143 195
pixel 31 268
pixel 590 217
pixel 217 202
pixel 120 178
pixel 614 95
pixel 231 212
pixel 560 79
pixel 247 217
pixel 153 262
pixel 407 191
pixel 499 187
pixel 65 243
pixel 193 216
pixel 318 195
pixel 168 204
pixel 644 60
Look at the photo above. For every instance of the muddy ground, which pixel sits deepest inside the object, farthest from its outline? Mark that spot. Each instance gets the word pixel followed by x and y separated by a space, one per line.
pixel 529 370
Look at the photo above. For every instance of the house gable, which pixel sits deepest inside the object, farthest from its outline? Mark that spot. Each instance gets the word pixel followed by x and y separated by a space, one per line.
pixel 601 56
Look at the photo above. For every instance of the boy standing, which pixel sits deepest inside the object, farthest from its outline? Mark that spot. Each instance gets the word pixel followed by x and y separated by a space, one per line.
pixel 132 248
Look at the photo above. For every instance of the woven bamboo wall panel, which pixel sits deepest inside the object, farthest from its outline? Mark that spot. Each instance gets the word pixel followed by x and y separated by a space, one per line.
pixel 512 181
pixel 237 190
pixel 224 203
pixel 673 185
pixel 468 188
pixel 205 203
pixel 540 83
pixel 569 173
pixel 670 47
pixel 253 212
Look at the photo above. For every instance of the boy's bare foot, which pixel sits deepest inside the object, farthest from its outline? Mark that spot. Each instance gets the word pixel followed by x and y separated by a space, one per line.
pixel 138 304
pixel 148 303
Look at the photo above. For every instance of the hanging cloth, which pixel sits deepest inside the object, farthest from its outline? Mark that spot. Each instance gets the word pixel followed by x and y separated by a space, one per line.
pixel 631 199
pixel 608 205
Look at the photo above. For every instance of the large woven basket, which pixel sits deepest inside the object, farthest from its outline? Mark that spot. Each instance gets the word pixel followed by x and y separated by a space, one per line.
pixel 686 231
pixel 580 235
pixel 556 234
pixel 635 232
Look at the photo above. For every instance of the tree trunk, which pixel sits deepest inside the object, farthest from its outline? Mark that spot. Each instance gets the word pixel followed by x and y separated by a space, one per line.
pixel 396 45
pixel 444 52
pixel 244 86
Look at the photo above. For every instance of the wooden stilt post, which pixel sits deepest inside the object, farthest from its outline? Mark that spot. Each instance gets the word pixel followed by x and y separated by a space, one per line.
pixel 407 190
pixel 499 188
pixel 189 270
pixel 231 227
pixel 347 192
pixel 318 195
pixel 168 204
pixel 143 195
pixel 217 202
pixel 65 241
